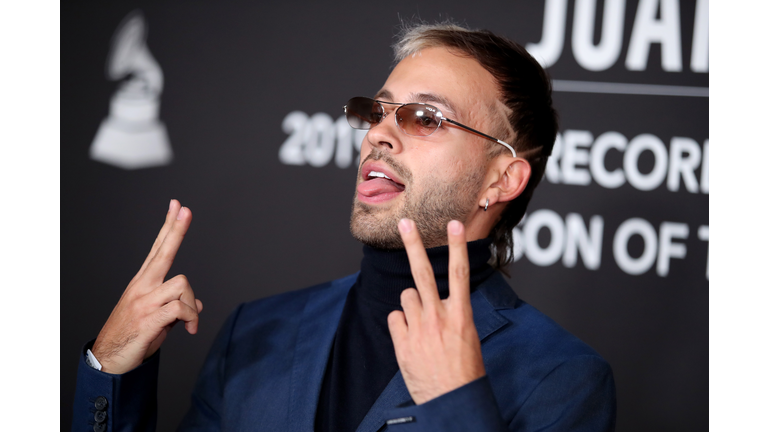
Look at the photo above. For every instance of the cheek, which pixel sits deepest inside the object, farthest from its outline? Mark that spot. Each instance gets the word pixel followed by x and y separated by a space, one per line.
pixel 437 167
pixel 451 172
pixel 365 148
pixel 451 166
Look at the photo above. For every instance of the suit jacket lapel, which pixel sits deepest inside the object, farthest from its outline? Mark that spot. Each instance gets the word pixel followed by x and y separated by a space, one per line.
pixel 395 394
pixel 492 294
pixel 319 321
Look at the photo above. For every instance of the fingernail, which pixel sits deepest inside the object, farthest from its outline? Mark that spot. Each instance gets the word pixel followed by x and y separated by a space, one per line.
pixel 454 227
pixel 181 213
pixel 406 225
pixel 170 204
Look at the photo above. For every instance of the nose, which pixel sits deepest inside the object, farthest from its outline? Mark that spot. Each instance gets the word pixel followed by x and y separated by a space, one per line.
pixel 385 135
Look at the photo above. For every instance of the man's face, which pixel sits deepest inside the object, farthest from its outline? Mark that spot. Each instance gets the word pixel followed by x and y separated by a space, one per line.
pixel 433 179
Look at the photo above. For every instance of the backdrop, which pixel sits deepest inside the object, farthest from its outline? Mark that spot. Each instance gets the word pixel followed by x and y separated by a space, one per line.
pixel 234 109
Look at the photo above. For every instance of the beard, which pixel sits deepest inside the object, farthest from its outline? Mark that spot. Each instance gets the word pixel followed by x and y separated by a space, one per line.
pixel 431 205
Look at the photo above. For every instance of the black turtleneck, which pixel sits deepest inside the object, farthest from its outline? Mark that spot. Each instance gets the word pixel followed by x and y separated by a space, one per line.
pixel 362 360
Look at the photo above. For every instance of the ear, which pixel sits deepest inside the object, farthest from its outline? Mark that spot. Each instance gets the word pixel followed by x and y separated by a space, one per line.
pixel 510 176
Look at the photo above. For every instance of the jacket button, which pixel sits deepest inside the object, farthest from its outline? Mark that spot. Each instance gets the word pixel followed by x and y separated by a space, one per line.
pixel 100 416
pixel 101 403
pixel 99 427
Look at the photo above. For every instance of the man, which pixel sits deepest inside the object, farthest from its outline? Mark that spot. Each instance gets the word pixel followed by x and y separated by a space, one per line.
pixel 427 336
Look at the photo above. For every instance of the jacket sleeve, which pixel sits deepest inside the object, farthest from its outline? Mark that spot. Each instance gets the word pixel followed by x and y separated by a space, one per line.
pixel 205 413
pixel 107 402
pixel 578 395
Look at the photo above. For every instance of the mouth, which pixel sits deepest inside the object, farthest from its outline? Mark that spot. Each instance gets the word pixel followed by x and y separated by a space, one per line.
pixel 379 184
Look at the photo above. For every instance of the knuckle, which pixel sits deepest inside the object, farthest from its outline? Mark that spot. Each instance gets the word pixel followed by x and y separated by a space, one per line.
pixel 136 307
pixel 180 283
pixel 131 295
pixel 166 254
pixel 168 285
pixel 173 308
pixel 421 273
pixel 162 257
pixel 188 290
pixel 460 271
pixel 174 284
pixel 187 293
pixel 178 307
pixel 161 316
pixel 431 316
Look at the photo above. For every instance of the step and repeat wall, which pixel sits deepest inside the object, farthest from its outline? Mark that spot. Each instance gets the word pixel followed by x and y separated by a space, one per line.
pixel 236 110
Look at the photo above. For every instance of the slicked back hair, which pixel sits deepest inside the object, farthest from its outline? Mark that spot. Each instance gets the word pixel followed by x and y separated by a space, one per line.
pixel 525 89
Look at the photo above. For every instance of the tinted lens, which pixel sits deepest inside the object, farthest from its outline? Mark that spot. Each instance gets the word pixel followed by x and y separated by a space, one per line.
pixel 418 119
pixel 363 112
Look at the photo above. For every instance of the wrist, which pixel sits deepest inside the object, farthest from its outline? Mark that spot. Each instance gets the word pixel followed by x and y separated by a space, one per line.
pixel 448 385
pixel 99 354
pixel 103 358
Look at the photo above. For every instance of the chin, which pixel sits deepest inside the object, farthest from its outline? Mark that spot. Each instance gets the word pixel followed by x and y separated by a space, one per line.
pixel 375 226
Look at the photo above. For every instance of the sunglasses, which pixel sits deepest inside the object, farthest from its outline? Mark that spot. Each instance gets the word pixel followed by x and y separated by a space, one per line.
pixel 414 119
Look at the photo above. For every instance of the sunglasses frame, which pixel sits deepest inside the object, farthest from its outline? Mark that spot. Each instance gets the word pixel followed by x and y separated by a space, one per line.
pixel 438 114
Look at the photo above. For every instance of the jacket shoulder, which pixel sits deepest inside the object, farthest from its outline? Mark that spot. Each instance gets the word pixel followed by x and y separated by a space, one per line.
pixel 540 372
pixel 528 328
pixel 543 334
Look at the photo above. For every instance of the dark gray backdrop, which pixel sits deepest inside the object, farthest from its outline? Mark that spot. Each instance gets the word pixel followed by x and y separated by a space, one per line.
pixel 232 74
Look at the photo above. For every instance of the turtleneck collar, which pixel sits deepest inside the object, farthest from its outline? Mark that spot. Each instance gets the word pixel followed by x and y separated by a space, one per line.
pixel 385 274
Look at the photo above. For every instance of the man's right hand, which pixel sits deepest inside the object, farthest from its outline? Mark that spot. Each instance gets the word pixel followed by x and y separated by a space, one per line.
pixel 149 307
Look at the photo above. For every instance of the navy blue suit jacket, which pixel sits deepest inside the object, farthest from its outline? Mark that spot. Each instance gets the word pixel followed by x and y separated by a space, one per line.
pixel 265 370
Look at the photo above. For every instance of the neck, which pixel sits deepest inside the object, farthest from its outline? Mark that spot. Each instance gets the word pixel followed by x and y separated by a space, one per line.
pixel 385 274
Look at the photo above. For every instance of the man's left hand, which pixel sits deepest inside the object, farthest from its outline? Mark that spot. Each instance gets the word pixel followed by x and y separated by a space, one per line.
pixel 435 340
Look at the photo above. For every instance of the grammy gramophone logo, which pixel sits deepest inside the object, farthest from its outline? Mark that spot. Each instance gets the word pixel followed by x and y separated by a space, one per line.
pixel 132 136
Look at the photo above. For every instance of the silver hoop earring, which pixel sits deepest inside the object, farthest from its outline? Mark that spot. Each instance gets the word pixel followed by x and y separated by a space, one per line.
pixel 486 205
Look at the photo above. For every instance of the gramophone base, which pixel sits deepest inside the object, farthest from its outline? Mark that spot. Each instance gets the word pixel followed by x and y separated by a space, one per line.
pixel 132 146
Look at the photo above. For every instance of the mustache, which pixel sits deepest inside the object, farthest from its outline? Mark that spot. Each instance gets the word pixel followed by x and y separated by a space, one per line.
pixel 399 169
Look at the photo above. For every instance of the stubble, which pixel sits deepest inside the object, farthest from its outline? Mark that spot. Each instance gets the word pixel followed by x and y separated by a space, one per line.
pixel 431 205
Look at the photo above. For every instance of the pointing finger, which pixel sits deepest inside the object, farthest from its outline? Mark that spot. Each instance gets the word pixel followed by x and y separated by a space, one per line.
pixel 421 268
pixel 398 328
pixel 458 263
pixel 170 217
pixel 411 303
pixel 160 264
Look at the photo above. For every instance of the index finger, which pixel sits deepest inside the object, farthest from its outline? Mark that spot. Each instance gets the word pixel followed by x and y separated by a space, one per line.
pixel 160 264
pixel 421 269
pixel 458 262
pixel 170 217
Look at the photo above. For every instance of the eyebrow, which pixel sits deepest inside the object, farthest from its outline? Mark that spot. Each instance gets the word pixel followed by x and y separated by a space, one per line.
pixel 383 94
pixel 421 97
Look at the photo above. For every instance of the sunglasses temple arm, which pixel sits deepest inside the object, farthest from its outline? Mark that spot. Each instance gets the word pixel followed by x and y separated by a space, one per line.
pixel 514 153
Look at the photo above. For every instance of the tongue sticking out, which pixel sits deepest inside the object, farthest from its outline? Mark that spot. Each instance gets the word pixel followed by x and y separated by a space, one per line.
pixel 379 186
